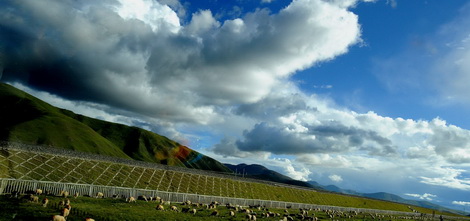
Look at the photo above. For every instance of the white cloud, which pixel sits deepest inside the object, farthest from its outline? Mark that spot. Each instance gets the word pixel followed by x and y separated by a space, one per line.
pixel 151 12
pixel 462 203
pixel 392 3
pixel 143 51
pixel 426 196
pixel 448 177
pixel 299 173
pixel 335 178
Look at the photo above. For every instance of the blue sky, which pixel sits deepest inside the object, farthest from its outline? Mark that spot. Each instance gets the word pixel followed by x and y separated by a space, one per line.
pixel 367 95
pixel 389 32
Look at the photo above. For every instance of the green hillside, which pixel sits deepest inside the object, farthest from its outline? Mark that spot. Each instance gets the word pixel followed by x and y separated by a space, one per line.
pixel 24 165
pixel 26 119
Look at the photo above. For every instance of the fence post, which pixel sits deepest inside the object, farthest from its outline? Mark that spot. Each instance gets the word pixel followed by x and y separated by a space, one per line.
pixel 90 192
pixel 2 186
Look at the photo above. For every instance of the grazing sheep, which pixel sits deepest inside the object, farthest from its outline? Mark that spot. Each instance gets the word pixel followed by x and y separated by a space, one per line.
pixel 160 207
pixel 65 212
pixel 64 193
pixel 231 213
pixel 44 202
pixel 174 208
pixel 246 211
pixel 131 199
pixel 99 195
pixel 215 213
pixel 248 216
pixel 58 218
pixel 193 211
pixel 38 191
pixel 33 198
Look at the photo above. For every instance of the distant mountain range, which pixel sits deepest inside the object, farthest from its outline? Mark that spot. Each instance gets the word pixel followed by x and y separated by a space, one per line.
pixel 261 172
pixel 26 119
pixel 388 197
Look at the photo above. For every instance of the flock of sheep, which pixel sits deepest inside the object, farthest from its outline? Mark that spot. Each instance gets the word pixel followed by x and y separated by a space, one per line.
pixel 64 205
pixel 252 212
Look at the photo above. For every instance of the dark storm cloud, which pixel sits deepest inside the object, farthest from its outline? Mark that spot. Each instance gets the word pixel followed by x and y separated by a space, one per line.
pixel 274 106
pixel 136 56
pixel 332 138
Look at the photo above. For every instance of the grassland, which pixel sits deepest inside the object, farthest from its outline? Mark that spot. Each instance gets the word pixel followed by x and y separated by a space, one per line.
pixel 119 209
pixel 39 166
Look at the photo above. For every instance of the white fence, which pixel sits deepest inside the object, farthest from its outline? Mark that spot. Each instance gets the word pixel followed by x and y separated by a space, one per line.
pixel 8 186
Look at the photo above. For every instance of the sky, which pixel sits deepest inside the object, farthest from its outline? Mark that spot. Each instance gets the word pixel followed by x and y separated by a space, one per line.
pixel 366 95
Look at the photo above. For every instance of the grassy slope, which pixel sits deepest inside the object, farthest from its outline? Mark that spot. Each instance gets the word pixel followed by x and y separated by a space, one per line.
pixel 31 166
pixel 26 119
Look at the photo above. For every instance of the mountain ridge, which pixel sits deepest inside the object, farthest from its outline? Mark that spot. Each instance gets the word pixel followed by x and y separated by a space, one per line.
pixel 388 197
pixel 260 172
pixel 27 119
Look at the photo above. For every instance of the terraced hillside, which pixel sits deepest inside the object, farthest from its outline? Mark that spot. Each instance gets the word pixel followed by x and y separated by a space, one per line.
pixel 27 165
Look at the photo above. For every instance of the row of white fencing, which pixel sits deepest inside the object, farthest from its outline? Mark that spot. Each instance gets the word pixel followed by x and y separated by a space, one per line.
pixel 9 186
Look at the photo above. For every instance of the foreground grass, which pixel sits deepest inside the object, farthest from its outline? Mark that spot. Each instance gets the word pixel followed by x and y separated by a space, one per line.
pixel 119 209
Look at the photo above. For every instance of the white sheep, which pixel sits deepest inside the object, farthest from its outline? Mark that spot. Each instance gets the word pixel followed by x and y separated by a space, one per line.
pixel 174 208
pixel 58 218
pixel 131 199
pixel 65 212
pixel 44 202
pixel 33 198
pixel 99 195
pixel 160 207
pixel 38 191
pixel 64 193
pixel 67 202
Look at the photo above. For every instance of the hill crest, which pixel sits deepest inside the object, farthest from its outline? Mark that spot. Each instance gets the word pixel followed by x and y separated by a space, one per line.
pixel 27 119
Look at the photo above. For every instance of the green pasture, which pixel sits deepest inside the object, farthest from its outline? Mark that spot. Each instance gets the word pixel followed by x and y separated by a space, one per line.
pixel 118 209
pixel 46 167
